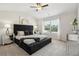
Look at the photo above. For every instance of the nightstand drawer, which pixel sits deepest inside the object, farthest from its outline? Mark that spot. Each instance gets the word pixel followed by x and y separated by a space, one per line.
pixel 74 37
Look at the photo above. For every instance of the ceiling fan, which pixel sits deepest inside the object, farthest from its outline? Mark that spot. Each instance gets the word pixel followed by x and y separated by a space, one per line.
pixel 39 6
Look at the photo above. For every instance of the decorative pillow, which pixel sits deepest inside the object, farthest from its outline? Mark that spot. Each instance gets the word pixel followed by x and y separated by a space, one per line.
pixel 37 39
pixel 26 32
pixel 29 41
pixel 20 33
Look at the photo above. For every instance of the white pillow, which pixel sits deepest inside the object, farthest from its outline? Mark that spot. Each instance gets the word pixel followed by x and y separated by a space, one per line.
pixel 29 41
pixel 20 33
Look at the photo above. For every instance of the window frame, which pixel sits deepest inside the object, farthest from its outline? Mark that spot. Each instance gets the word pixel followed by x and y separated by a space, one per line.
pixel 50 26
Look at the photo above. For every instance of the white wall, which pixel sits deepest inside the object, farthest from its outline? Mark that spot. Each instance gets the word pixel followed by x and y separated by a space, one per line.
pixel 13 17
pixel 65 25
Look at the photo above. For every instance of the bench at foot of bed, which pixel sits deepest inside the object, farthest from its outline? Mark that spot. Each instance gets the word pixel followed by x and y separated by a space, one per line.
pixel 31 48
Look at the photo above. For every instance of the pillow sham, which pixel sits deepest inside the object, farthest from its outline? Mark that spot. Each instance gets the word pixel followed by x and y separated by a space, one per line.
pixel 37 39
pixel 20 33
pixel 26 32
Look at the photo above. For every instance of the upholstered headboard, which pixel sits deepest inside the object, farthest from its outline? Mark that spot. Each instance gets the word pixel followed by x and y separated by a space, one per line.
pixel 28 29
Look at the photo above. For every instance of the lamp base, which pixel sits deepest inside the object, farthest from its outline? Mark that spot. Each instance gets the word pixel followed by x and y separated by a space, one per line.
pixel 8 43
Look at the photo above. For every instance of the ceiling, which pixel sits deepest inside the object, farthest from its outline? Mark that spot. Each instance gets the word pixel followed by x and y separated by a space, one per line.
pixel 52 9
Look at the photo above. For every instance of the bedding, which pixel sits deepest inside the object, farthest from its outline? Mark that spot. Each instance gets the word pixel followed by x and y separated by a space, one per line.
pixel 32 36
pixel 29 41
pixel 26 32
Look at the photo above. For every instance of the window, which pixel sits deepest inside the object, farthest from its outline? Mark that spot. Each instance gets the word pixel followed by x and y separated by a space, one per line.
pixel 47 26
pixel 51 25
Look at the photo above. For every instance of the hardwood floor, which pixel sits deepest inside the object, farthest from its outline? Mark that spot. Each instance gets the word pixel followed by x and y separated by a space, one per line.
pixel 12 50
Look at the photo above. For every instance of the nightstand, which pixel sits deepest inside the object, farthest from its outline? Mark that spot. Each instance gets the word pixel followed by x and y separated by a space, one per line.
pixel 6 40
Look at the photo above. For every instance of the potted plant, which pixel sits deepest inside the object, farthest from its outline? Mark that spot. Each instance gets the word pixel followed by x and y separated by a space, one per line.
pixel 75 25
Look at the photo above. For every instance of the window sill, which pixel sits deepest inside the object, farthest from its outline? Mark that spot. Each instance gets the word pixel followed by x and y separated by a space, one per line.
pixel 50 32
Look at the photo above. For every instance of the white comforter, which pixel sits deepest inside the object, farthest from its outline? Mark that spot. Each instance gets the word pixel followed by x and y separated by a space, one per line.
pixel 32 36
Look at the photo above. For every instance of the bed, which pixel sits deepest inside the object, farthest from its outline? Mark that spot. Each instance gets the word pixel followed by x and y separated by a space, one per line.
pixel 29 42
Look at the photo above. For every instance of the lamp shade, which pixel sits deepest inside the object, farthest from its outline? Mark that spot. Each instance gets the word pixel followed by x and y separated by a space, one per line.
pixel 35 27
pixel 7 25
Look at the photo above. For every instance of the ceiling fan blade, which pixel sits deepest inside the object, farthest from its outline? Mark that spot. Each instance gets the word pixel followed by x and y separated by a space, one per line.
pixel 33 6
pixel 38 4
pixel 45 5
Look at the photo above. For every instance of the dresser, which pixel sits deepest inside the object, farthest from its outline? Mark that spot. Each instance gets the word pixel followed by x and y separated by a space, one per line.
pixel 74 37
